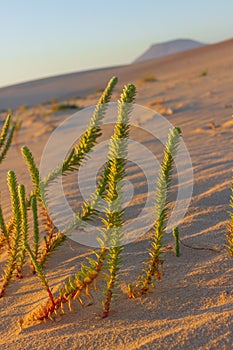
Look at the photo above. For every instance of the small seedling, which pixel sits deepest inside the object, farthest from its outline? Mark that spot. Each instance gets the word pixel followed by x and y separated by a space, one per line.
pixel 175 233
pixel 204 73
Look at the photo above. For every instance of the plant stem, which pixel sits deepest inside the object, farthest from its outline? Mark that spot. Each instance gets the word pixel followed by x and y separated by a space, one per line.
pixel 14 250
pixel 175 233
pixel 161 210
pixel 114 213
pixel 40 273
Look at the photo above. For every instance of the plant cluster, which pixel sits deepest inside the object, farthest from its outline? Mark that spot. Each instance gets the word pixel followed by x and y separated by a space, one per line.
pixel 102 270
pixel 80 286
pixel 6 137
pixel 14 232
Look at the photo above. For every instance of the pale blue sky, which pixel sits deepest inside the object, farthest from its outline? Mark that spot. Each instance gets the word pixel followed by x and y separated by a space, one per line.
pixel 44 38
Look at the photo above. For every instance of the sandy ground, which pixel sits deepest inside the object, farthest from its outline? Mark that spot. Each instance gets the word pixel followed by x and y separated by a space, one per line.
pixel 192 308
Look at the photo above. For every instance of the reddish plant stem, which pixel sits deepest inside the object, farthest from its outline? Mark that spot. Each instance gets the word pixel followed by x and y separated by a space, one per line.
pixel 55 303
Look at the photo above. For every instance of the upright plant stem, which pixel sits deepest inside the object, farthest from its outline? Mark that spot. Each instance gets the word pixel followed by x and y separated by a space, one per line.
pixel 14 250
pixel 175 233
pixel 6 137
pixel 39 271
pixel 24 228
pixel 112 231
pixel 72 163
pixel 5 234
pixel 161 211
pixel 36 233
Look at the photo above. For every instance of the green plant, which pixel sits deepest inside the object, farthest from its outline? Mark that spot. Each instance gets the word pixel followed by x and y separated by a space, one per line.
pixel 113 222
pixel 154 267
pixel 229 237
pixel 6 137
pixel 150 78
pixel 36 231
pixel 204 73
pixel 64 106
pixel 39 271
pixel 99 273
pixel 175 233
pixel 33 171
pixel 53 238
pixel 85 280
pixel 4 237
pixel 12 233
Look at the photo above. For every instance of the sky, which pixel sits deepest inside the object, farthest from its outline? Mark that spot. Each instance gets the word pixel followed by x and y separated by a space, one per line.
pixel 50 37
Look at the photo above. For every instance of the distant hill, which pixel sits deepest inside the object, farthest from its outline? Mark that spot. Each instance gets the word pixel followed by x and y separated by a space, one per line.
pixel 168 48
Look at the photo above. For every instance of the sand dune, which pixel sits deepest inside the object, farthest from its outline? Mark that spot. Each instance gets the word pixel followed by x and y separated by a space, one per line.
pixel 192 307
pixel 80 84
